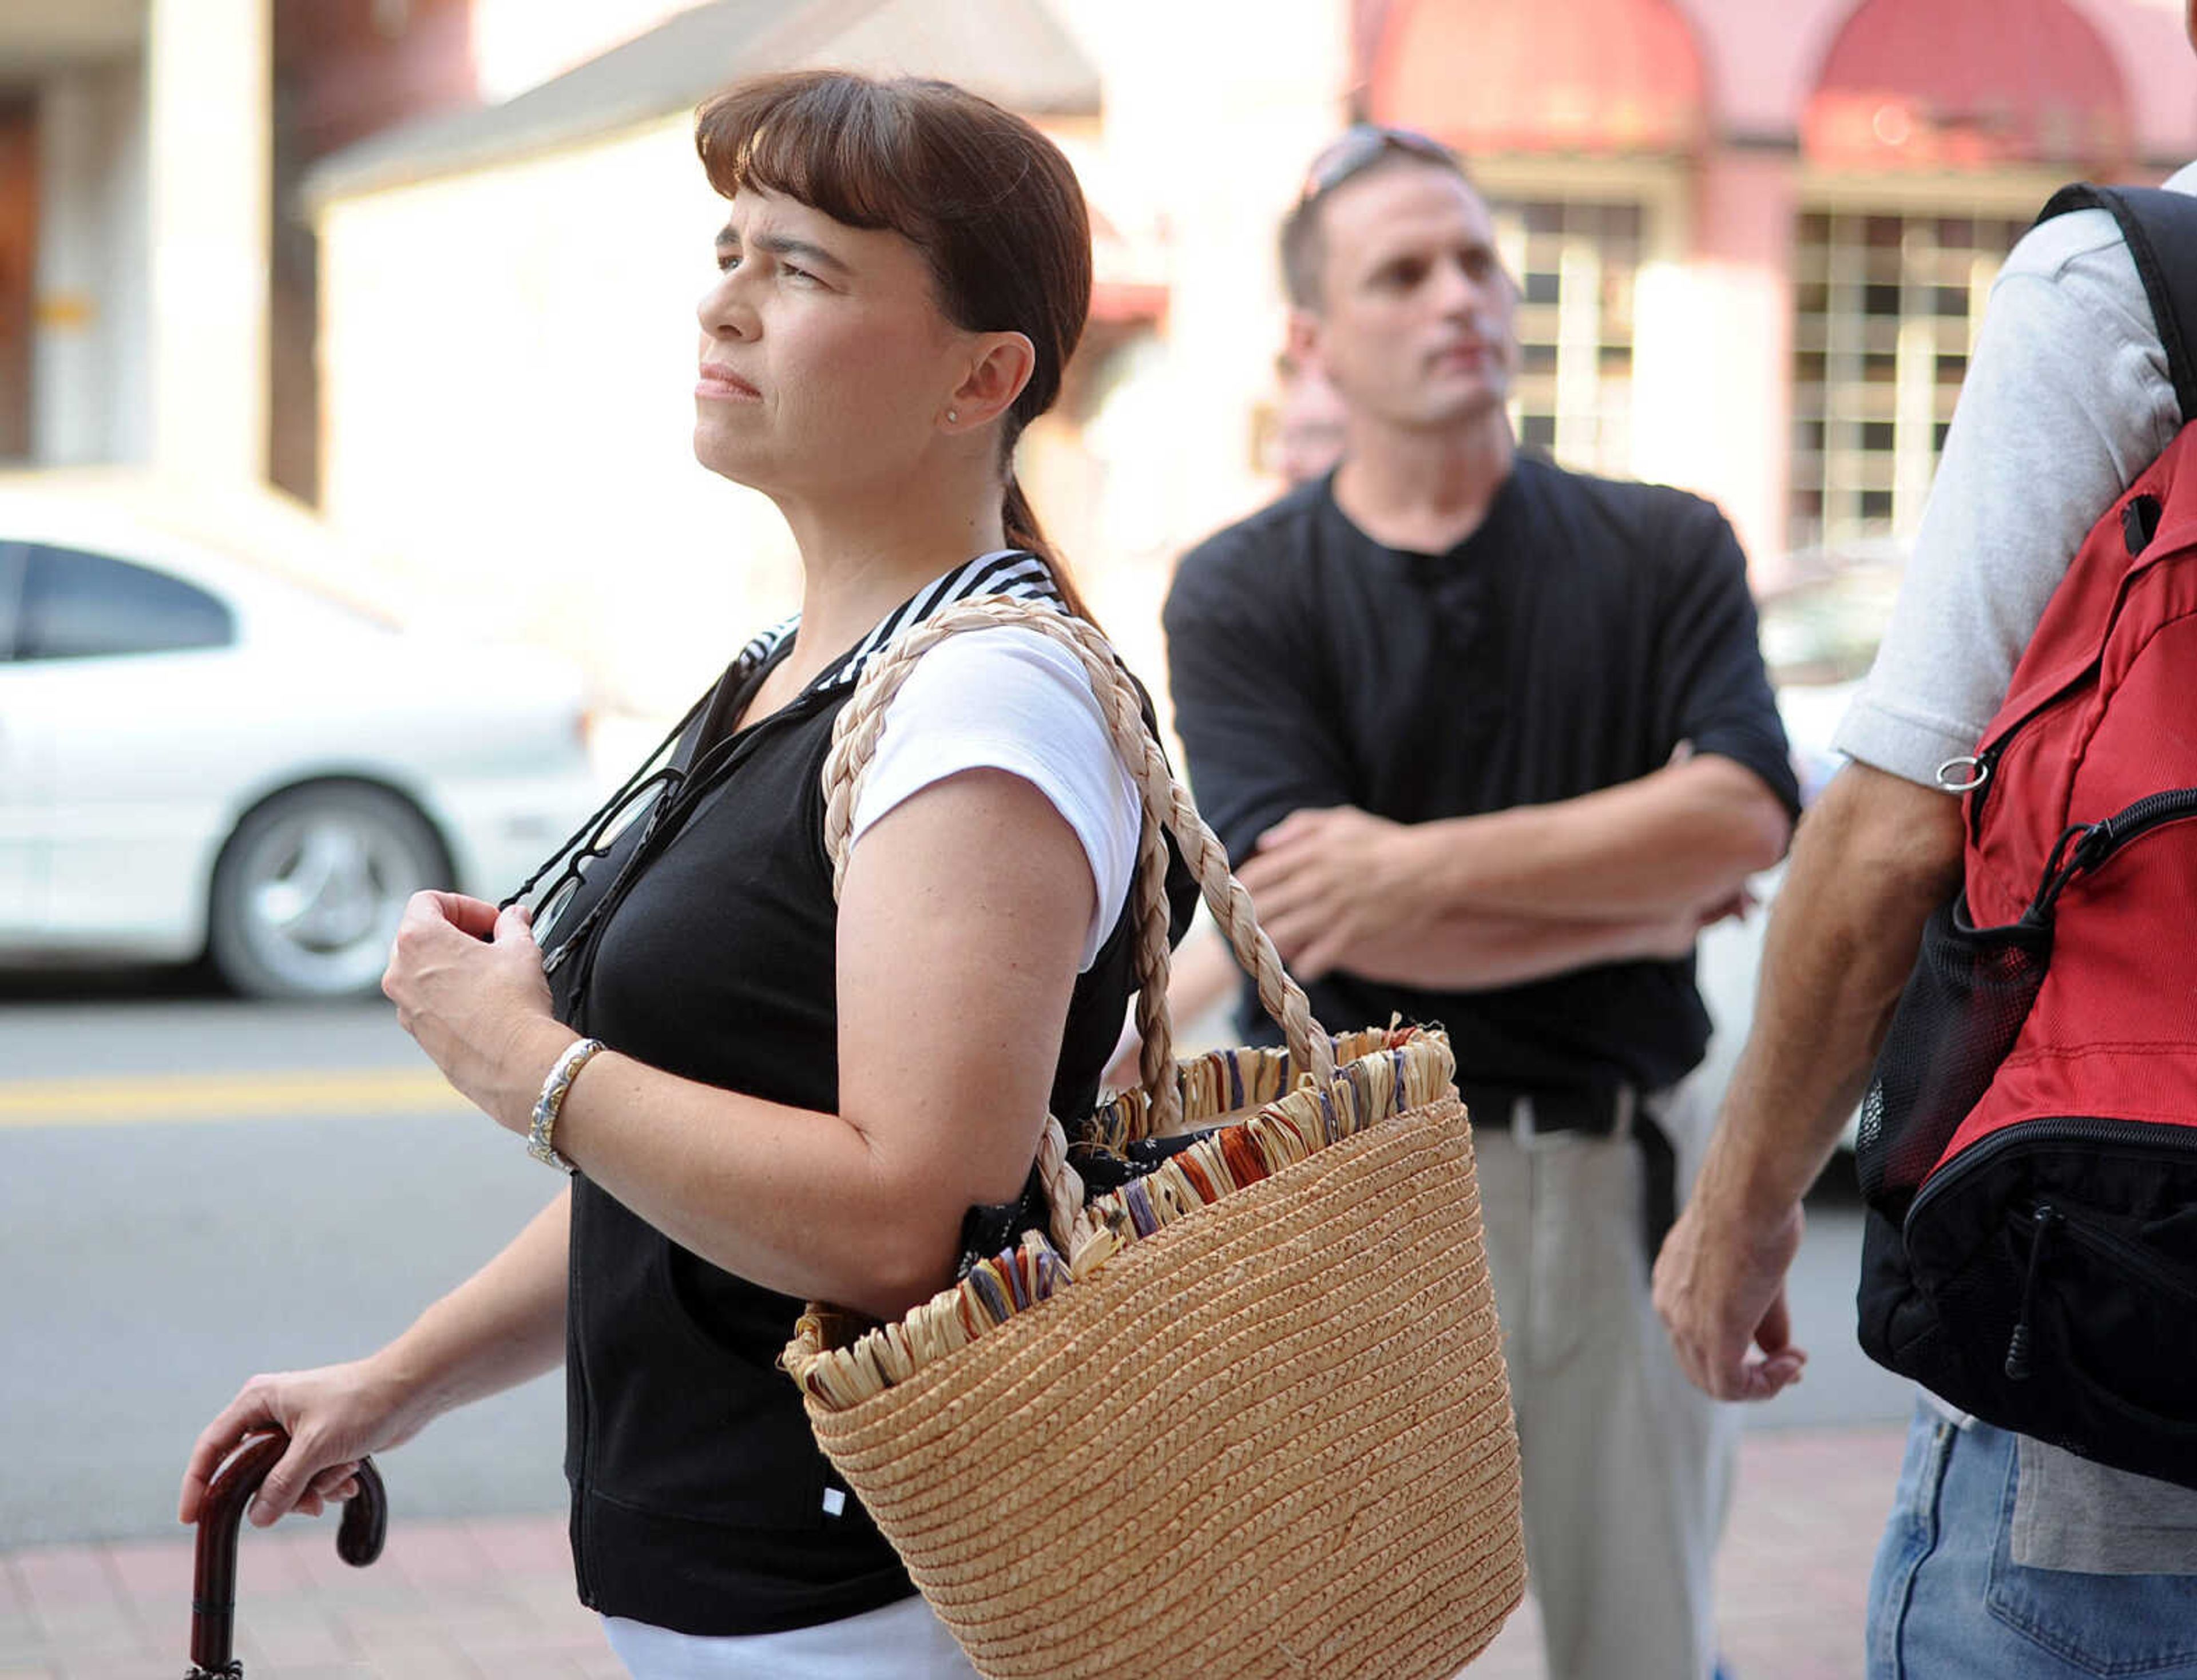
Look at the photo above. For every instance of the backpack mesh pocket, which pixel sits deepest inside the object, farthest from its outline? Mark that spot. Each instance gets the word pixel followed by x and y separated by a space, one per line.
pixel 1963 1006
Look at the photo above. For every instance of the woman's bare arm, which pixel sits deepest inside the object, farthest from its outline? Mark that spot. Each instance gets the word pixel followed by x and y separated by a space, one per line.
pixel 960 928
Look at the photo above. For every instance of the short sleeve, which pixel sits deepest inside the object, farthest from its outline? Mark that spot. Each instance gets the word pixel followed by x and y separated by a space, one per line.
pixel 2067 399
pixel 1260 739
pixel 1709 654
pixel 1013 700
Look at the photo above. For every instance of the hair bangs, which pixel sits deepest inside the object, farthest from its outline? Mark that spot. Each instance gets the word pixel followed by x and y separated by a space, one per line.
pixel 834 143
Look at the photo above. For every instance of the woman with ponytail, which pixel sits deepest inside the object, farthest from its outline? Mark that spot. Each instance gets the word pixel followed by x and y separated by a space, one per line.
pixel 762 1096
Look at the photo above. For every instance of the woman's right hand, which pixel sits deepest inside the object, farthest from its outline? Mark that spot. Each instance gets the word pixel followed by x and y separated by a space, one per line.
pixel 334 1416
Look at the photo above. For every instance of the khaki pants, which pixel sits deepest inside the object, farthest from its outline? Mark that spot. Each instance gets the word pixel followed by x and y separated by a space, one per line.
pixel 1627 1467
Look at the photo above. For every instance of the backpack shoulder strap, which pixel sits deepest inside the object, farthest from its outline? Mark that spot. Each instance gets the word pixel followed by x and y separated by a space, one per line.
pixel 2160 227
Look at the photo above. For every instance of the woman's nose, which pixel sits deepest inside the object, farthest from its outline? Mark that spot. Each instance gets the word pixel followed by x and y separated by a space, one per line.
pixel 723 311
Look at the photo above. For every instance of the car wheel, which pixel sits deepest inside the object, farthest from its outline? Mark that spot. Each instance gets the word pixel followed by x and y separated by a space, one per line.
pixel 310 888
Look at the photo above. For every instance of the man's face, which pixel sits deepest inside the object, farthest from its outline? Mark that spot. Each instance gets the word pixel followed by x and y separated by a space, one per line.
pixel 1416 318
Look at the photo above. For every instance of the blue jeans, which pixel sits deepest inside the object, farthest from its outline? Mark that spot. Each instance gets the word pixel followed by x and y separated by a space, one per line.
pixel 1947 1600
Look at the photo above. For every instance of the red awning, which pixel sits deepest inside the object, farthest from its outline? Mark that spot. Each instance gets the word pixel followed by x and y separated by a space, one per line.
pixel 1962 84
pixel 1599 75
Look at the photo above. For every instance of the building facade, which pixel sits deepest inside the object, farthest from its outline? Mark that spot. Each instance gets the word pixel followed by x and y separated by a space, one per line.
pixel 432 263
pixel 1755 241
pixel 157 290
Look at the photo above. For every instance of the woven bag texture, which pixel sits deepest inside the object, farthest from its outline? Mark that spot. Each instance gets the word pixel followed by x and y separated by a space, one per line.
pixel 1272 1439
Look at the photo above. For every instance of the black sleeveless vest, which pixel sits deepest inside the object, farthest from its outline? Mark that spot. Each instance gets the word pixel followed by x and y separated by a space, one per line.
pixel 700 1500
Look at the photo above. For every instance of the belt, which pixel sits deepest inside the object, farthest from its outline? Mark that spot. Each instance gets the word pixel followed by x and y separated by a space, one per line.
pixel 1602 1111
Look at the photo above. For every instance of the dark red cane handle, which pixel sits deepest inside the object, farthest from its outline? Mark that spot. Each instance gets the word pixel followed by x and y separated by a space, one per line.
pixel 365 1523
pixel 213 1585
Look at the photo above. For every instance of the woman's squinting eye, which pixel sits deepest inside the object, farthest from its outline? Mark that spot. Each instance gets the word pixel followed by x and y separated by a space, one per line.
pixel 728 260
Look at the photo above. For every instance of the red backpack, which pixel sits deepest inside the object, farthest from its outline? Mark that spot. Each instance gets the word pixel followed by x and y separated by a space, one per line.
pixel 2028 1143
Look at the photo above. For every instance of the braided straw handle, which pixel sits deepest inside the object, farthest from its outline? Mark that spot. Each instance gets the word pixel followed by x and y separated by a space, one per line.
pixel 1167 805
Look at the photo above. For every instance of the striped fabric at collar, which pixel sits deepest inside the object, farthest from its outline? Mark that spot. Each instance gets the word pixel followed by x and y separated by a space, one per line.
pixel 1007 572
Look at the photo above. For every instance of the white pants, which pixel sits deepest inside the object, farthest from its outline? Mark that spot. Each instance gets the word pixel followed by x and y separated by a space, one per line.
pixel 904 1641
pixel 1627 1466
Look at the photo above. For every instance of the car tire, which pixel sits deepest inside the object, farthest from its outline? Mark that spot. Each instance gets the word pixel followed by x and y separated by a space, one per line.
pixel 309 890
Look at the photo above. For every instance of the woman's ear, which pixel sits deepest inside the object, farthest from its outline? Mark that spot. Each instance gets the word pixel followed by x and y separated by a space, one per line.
pixel 1003 364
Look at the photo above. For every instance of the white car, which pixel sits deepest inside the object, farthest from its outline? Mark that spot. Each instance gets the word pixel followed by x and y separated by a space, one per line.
pixel 198 757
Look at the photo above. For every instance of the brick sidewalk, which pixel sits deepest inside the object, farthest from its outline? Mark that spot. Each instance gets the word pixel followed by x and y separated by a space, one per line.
pixel 491 1599
pixel 1793 1576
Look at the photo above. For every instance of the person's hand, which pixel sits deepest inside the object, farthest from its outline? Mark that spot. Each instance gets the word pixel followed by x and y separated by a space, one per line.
pixel 1731 909
pixel 1720 1286
pixel 1673 938
pixel 334 1416
pixel 468 985
pixel 1328 883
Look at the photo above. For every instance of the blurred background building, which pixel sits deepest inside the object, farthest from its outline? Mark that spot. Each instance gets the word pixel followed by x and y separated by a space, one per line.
pixel 430 265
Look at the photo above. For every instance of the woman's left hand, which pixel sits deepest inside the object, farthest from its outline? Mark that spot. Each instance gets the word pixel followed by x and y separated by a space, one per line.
pixel 468 985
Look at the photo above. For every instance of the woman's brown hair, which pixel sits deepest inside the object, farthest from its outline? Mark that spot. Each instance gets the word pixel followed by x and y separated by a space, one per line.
pixel 990 202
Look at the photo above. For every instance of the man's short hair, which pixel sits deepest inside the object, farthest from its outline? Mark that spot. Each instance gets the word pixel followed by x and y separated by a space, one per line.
pixel 1362 148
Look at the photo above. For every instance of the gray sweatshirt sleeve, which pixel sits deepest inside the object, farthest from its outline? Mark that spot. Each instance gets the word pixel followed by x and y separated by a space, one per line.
pixel 2067 399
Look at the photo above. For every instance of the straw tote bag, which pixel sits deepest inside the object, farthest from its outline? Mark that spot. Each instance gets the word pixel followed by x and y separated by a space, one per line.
pixel 1246 1415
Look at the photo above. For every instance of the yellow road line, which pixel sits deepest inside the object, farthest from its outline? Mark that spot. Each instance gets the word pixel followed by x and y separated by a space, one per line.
pixel 123 1100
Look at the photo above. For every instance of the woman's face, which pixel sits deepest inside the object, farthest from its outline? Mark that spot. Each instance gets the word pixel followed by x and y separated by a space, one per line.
pixel 825 363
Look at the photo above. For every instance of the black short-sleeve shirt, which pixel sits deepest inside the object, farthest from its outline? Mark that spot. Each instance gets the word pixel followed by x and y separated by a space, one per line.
pixel 1570 643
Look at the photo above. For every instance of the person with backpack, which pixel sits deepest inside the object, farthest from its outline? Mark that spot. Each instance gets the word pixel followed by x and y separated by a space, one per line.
pixel 2020 711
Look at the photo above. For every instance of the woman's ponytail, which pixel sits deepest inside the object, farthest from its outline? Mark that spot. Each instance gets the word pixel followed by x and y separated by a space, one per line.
pixel 1019 520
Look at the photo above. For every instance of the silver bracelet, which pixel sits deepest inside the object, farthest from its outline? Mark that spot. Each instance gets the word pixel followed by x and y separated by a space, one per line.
pixel 542 1130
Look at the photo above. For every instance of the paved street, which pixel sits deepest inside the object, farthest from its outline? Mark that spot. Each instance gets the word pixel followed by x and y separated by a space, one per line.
pixel 192 1188
pixel 160 1251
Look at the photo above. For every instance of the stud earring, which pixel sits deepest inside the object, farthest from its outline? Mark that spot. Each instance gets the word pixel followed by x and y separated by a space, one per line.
pixel 952 416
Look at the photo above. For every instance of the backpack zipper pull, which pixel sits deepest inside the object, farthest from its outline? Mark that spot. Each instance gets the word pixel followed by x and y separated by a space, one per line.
pixel 2017 1347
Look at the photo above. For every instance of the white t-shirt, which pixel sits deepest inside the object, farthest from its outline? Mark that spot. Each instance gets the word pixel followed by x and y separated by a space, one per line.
pixel 2068 398
pixel 1012 699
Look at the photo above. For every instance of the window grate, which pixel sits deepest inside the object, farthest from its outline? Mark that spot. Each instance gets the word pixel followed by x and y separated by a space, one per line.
pixel 1886 309
pixel 1576 262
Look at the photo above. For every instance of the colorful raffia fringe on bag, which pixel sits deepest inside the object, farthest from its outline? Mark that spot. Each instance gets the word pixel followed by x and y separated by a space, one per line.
pixel 1245 1415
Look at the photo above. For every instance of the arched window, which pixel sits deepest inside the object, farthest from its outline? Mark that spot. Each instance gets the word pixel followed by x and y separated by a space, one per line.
pixel 1934 130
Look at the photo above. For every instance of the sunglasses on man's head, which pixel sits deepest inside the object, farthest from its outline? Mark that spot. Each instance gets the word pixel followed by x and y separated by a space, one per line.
pixel 1361 146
